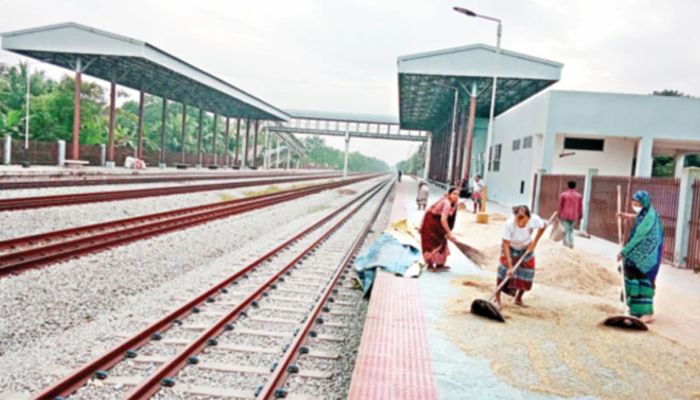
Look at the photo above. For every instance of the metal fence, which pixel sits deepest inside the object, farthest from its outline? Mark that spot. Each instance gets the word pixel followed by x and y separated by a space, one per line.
pixel 46 153
pixel 602 221
pixel 664 197
pixel 693 260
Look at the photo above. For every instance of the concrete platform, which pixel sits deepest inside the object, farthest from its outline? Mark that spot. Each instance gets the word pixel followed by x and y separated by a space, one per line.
pixel 456 375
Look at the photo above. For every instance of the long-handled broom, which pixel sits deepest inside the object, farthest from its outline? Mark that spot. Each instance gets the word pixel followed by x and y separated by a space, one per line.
pixel 475 255
pixel 623 320
pixel 486 308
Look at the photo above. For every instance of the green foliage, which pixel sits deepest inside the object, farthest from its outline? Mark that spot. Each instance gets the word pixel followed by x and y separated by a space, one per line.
pixel 414 164
pixel 318 153
pixel 664 165
pixel 51 113
pixel 670 93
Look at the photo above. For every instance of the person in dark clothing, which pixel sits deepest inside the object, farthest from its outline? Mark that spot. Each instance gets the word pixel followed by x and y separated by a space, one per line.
pixel 400 175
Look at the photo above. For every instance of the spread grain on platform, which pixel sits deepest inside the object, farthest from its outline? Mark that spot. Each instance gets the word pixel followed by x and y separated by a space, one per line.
pixel 558 345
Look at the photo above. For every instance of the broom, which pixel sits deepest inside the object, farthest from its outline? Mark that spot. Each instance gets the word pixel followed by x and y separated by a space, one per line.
pixel 475 255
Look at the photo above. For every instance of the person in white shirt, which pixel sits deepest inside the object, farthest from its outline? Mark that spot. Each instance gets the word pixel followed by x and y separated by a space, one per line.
pixel 518 242
pixel 477 190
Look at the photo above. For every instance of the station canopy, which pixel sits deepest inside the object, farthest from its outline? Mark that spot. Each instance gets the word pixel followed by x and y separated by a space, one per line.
pixel 137 65
pixel 424 104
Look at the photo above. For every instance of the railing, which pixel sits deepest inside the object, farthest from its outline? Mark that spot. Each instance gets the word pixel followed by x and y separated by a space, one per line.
pixel 664 194
pixel 693 260
pixel 602 221
pixel 46 153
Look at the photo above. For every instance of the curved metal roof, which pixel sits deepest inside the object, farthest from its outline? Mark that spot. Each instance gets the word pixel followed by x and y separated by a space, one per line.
pixel 137 65
pixel 424 103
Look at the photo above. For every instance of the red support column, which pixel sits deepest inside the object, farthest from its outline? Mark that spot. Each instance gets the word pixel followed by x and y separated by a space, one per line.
pixel 199 138
pixel 112 106
pixel 182 131
pixel 455 152
pixel 76 114
pixel 162 131
pixel 228 137
pixel 470 136
pixel 255 145
pixel 247 138
pixel 213 142
pixel 238 140
pixel 139 151
pixel 460 147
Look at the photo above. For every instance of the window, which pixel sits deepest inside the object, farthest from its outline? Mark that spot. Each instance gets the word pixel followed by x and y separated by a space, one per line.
pixel 527 142
pixel 495 164
pixel 516 144
pixel 584 144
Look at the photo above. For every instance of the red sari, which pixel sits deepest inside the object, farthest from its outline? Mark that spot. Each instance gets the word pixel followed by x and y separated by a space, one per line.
pixel 432 235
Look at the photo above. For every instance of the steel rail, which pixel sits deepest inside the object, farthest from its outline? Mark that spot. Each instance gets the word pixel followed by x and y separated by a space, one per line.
pixel 72 232
pixel 52 252
pixel 76 379
pixel 281 373
pixel 82 198
pixel 150 385
pixel 35 257
pixel 40 182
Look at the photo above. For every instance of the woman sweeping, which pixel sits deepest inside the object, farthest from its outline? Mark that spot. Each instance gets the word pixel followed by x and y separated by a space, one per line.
pixel 436 230
pixel 642 257
pixel 517 243
pixel 423 194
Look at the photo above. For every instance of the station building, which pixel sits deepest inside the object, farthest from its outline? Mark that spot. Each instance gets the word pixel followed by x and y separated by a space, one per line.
pixel 536 128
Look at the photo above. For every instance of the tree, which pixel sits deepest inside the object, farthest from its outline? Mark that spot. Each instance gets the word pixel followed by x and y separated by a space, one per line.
pixel 669 93
pixel 664 165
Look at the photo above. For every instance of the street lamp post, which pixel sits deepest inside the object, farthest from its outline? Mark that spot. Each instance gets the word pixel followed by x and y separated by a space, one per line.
pixel 489 135
pixel 25 164
pixel 452 137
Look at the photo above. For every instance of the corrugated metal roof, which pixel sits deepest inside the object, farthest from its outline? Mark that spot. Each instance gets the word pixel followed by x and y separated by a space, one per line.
pixel 424 104
pixel 138 65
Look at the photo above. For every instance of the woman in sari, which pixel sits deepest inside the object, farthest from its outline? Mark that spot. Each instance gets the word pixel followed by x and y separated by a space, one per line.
pixel 642 256
pixel 518 243
pixel 436 230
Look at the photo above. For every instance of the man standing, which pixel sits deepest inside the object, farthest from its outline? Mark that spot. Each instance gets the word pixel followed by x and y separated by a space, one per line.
pixel 570 212
pixel 400 173
pixel 477 190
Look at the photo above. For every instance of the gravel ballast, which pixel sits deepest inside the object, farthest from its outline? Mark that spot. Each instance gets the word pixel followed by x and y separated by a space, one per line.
pixel 59 317
pixel 35 221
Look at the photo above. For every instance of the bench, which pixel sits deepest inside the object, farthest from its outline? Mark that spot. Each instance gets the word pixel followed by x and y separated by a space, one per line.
pixel 181 166
pixel 75 163
pixel 393 361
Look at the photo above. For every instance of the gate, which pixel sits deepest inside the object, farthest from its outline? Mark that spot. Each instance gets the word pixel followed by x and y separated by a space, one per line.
pixel 552 186
pixel 693 260
pixel 664 194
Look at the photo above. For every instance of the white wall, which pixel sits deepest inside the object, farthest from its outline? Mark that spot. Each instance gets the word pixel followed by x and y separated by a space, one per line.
pixel 527 119
pixel 615 159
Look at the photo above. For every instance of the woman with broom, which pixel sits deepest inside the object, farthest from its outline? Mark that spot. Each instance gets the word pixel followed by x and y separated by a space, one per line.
pixel 436 230
pixel 642 256
pixel 517 243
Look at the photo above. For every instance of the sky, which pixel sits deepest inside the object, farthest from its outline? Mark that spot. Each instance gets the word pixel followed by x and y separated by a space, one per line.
pixel 340 55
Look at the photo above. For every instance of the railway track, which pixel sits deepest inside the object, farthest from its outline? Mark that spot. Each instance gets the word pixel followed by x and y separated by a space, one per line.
pixel 40 182
pixel 93 197
pixel 261 332
pixel 34 251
